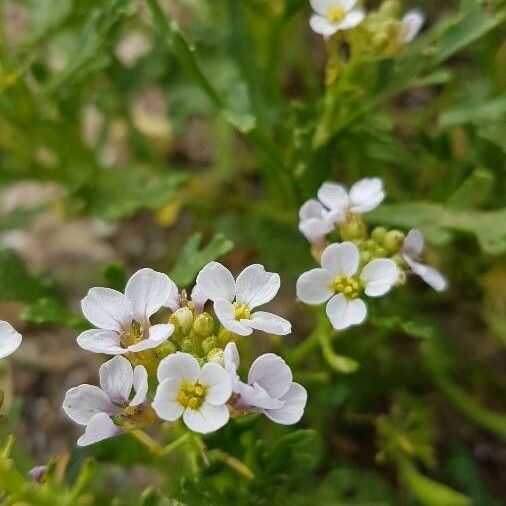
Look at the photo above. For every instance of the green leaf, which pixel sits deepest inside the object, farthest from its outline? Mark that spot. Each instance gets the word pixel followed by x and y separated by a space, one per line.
pixel 18 284
pixel 118 193
pixel 54 312
pixel 439 223
pixel 192 257
pixel 473 191
pixel 491 110
pixel 295 455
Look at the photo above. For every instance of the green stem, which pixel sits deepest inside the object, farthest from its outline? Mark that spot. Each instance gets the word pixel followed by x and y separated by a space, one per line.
pixel 180 441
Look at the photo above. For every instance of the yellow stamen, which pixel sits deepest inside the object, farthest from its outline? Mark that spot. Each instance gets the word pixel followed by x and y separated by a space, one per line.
pixel 349 287
pixel 335 14
pixel 191 395
pixel 242 311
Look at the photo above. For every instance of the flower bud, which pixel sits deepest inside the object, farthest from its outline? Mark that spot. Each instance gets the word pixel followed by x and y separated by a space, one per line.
pixel 188 345
pixel 38 473
pixel 182 319
pixel 353 229
pixel 209 343
pixel 225 336
pixel 378 234
pixel 203 325
pixel 393 241
pixel 390 8
pixel 216 355
pixel 165 349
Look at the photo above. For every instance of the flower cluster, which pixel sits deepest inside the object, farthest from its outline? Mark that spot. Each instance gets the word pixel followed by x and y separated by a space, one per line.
pixel 155 332
pixel 357 262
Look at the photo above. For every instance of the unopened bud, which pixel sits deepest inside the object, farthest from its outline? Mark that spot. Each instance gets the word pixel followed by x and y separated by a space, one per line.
pixel 188 345
pixel 390 7
pixel 216 355
pixel 225 336
pixel 203 325
pixel 182 319
pixel 393 241
pixel 353 229
pixel 209 343
pixel 378 234
pixel 38 473
pixel 165 349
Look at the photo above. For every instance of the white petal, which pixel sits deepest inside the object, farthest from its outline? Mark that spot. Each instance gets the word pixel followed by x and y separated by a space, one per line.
pixel 198 298
pixel 231 362
pixel 321 6
pixel 379 276
pixel 321 25
pixel 164 403
pixel 148 291
pixel 366 194
pixel 10 339
pixel 157 335
pixel 215 281
pixel 272 373
pixel 140 385
pixel 352 19
pixel 315 229
pixel 313 287
pixel 413 243
pixel 333 195
pixel 226 314
pixel 100 427
pixel 312 208
pixel 341 259
pixel 255 396
pixel 268 322
pixel 430 275
pixel 107 309
pixel 84 401
pixel 217 381
pixel 294 403
pixel 116 379
pixel 101 341
pixel 343 312
pixel 180 366
pixel 411 24
pixel 254 286
pixel 207 418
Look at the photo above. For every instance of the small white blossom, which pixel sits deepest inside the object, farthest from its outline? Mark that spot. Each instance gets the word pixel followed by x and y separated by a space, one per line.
pixel 234 300
pixel 10 339
pixel 175 300
pixel 411 25
pixel 332 16
pixel 122 320
pixel 94 406
pixel 318 217
pixel 411 251
pixel 339 282
pixel 197 394
pixel 270 389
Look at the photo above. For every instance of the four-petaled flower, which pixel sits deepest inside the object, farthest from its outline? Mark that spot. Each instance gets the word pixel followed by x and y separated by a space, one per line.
pixel 10 339
pixel 122 320
pixel 270 389
pixel 411 24
pixel 332 16
pixel 198 395
pixel 234 300
pixel 335 204
pixel 94 407
pixel 339 282
pixel 411 251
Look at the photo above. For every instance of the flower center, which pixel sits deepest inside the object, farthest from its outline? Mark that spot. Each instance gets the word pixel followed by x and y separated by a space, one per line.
pixel 349 287
pixel 191 395
pixel 335 14
pixel 132 336
pixel 242 311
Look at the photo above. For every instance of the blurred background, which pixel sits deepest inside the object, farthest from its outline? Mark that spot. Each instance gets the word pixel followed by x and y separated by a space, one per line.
pixel 169 134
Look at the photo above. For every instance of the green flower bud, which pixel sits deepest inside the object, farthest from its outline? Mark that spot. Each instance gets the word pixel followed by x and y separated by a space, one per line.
pixel 225 336
pixel 182 319
pixel 393 241
pixel 390 8
pixel 165 349
pixel 203 325
pixel 366 256
pixel 353 229
pixel 188 345
pixel 209 343
pixel 216 355
pixel 378 234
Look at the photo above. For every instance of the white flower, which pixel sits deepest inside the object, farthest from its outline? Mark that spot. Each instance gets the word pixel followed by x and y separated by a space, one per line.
pixel 411 24
pixel 334 15
pixel 10 339
pixel 122 320
pixel 94 407
pixel 270 389
pixel 315 221
pixel 234 301
pixel 411 251
pixel 198 395
pixel 175 300
pixel 339 282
